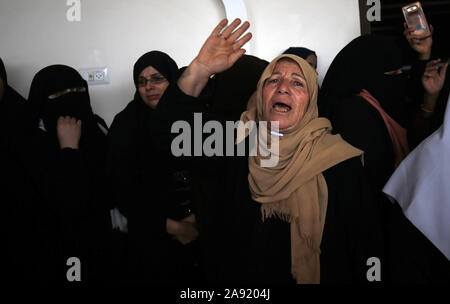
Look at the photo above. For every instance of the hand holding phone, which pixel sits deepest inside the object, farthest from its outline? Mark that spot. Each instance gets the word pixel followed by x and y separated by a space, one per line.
pixel 415 17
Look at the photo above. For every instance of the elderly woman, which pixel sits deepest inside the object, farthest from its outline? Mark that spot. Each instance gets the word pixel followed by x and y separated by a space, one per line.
pixel 309 219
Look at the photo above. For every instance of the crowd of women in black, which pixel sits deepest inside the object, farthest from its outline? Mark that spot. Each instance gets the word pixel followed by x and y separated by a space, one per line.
pixel 131 212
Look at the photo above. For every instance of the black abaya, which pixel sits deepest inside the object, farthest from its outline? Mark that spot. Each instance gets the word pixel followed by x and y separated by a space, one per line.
pixel 143 172
pixel 70 206
pixel 361 65
pixel 240 248
pixel 18 220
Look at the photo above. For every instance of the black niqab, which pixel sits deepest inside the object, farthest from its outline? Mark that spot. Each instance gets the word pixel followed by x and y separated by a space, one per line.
pixel 70 183
pixel 361 65
pixel 54 79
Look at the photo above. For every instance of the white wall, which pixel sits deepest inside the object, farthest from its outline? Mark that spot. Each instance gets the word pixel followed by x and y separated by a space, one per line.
pixel 114 33
pixel 324 26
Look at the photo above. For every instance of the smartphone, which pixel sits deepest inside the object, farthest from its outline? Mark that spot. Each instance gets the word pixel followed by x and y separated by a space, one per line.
pixel 415 17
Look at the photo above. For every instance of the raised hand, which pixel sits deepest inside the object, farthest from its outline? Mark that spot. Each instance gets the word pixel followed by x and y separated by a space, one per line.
pixel 68 130
pixel 219 52
pixel 223 47
pixel 419 43
pixel 433 78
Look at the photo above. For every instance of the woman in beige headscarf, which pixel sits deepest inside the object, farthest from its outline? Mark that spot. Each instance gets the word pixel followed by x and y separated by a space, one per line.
pixel 295 189
pixel 316 190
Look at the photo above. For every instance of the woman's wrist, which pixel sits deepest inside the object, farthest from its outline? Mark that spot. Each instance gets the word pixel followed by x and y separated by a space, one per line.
pixel 71 145
pixel 200 70
pixel 194 78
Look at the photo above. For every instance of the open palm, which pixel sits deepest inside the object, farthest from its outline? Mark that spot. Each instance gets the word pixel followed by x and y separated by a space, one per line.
pixel 223 48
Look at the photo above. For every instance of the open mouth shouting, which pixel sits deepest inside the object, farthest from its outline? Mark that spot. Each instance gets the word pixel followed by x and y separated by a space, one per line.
pixel 281 107
pixel 285 96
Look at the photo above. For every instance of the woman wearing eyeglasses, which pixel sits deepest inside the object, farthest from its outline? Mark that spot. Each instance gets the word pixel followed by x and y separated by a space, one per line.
pixel 151 187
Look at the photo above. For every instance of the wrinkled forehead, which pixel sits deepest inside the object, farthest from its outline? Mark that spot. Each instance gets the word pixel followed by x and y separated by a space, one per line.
pixel 287 65
pixel 289 60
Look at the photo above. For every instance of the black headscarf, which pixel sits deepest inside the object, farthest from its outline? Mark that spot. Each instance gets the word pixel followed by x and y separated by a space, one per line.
pixel 19 233
pixel 10 95
pixel 160 61
pixel 57 78
pixel 3 72
pixel 361 65
pixel 146 118
pixel 163 63
pixel 54 79
pixel 12 110
pixel 301 52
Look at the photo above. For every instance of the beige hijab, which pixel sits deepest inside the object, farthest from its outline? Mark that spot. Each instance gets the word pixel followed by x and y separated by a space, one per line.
pixel 295 188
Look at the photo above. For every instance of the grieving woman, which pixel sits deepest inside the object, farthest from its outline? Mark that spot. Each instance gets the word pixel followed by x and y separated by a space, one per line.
pixel 308 219
pixel 64 159
pixel 151 187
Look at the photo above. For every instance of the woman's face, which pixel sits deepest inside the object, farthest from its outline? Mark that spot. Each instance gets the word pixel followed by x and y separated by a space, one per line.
pixel 285 95
pixel 151 86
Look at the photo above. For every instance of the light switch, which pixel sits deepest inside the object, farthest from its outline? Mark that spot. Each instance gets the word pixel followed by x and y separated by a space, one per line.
pixel 95 76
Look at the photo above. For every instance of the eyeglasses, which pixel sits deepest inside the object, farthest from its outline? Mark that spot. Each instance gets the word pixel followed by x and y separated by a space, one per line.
pixel 154 79
pixel 63 92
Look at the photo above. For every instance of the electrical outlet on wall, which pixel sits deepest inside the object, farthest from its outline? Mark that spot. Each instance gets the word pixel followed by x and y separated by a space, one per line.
pixel 95 76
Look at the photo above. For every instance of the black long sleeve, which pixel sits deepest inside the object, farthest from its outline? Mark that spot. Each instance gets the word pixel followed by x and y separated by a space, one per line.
pixel 361 125
pixel 140 157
